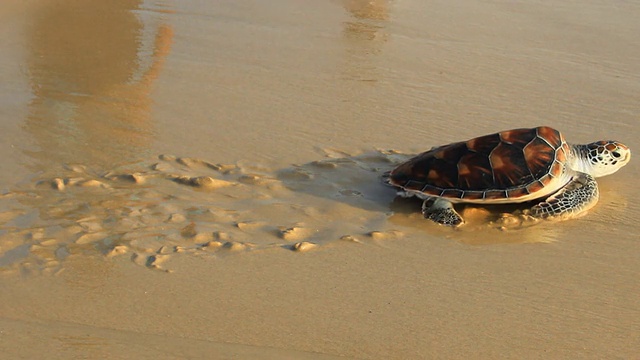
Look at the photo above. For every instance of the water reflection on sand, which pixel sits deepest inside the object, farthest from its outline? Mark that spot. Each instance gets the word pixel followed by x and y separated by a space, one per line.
pixel 91 67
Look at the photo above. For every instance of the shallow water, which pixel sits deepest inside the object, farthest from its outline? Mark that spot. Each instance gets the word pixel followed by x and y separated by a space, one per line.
pixel 180 136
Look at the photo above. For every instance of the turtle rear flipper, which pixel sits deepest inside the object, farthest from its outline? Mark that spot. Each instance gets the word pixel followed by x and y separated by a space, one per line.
pixel 441 211
pixel 578 196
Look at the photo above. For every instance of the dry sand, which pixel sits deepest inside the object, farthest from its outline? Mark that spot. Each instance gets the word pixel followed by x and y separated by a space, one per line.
pixel 182 180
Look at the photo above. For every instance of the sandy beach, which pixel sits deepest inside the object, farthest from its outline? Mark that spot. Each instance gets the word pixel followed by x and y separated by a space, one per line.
pixel 190 180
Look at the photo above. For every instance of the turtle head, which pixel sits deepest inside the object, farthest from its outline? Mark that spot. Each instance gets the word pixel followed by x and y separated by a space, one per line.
pixel 605 157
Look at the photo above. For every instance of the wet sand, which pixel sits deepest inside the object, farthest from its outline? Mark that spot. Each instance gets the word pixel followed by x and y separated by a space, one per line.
pixel 204 181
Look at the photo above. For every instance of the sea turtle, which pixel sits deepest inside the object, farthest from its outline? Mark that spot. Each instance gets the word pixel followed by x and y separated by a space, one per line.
pixel 512 166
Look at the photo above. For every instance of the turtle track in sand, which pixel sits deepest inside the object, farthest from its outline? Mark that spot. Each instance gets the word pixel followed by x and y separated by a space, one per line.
pixel 153 211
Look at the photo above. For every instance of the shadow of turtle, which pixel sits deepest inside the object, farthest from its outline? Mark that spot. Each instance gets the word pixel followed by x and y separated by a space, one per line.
pixel 355 180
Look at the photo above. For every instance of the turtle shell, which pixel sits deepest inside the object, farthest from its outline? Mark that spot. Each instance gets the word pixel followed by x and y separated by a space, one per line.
pixel 509 166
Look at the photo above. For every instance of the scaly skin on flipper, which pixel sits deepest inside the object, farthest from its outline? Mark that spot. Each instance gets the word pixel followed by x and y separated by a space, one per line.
pixel 578 196
pixel 441 211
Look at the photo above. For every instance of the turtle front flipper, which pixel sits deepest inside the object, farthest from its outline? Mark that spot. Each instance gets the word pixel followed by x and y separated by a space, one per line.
pixel 578 196
pixel 441 211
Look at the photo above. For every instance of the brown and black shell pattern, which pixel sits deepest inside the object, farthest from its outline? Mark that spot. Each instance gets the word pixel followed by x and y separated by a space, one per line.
pixel 504 167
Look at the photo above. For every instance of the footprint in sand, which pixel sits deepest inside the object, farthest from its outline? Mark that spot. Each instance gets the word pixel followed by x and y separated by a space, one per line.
pixel 295 233
pixel 386 235
pixel 303 246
